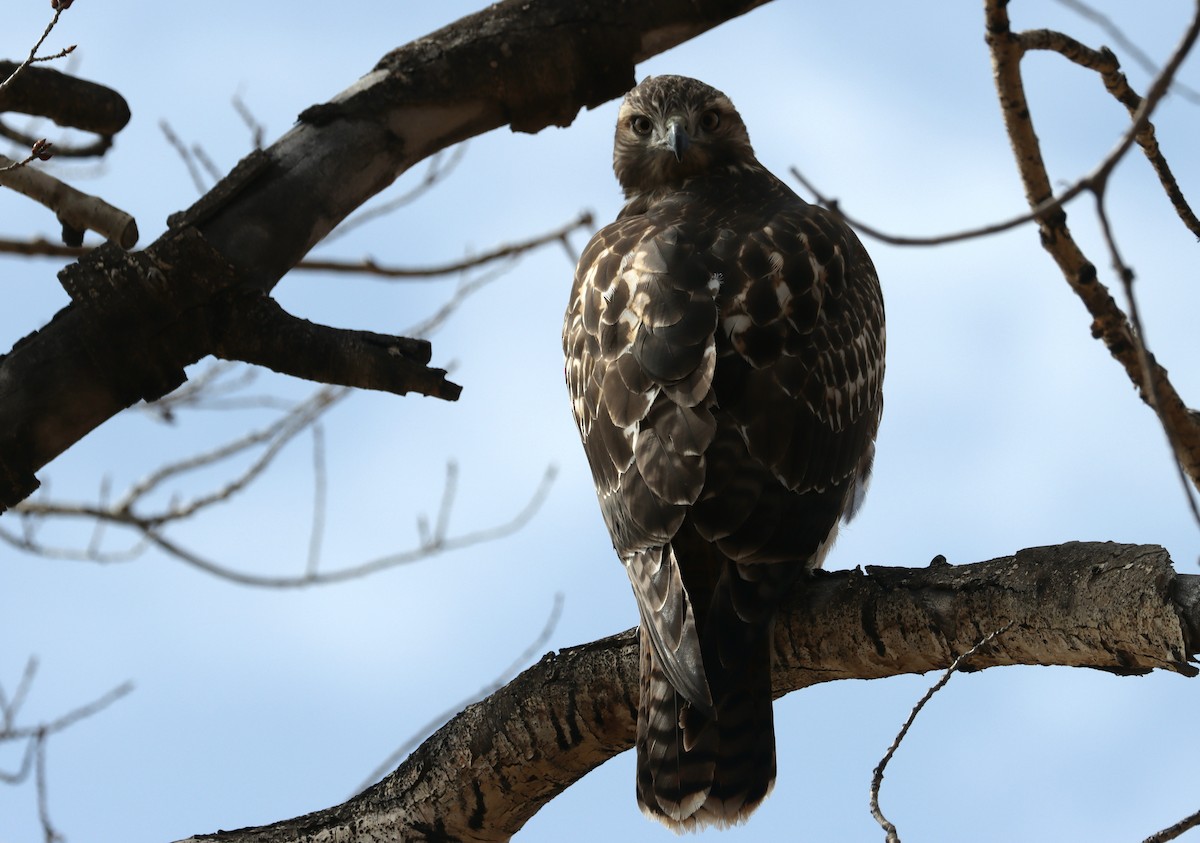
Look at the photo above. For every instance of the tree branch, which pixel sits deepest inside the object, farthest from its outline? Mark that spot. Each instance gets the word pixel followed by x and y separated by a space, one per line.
pixel 70 102
pixel 259 331
pixel 1109 323
pixel 135 322
pixel 1118 608
pixel 370 267
pixel 76 210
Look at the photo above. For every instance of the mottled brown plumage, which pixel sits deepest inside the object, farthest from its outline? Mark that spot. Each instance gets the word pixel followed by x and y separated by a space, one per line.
pixel 724 345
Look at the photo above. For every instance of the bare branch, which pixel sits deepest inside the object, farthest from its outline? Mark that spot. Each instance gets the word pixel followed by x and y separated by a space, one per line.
pixel 440 166
pixel 1176 830
pixel 277 435
pixel 1110 323
pixel 1126 276
pixel 125 511
pixel 1105 63
pixel 10 708
pixel 430 546
pixel 893 836
pixel 22 772
pixel 1140 130
pixel 33 53
pixel 185 154
pixel 466 288
pixel 210 167
pixel 218 386
pixel 49 835
pixel 257 130
pixel 369 265
pixel 1126 43
pixel 74 208
pixel 37 736
pixel 320 482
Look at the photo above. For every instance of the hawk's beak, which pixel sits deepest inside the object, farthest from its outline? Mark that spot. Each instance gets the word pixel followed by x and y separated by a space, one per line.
pixel 677 139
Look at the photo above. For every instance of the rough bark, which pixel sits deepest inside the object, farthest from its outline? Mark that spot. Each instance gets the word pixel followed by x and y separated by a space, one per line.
pixel 1119 608
pixel 136 320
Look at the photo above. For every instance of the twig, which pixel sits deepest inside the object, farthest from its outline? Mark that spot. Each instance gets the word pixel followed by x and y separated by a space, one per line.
pixel 435 545
pixel 214 172
pixel 1150 386
pixel 1176 830
pixel 320 483
pixel 276 435
pixel 1103 62
pixel 33 57
pixel 439 167
pixel 893 835
pixel 496 684
pixel 257 130
pixel 185 155
pixel 371 267
pixel 27 544
pixel 465 289
pixel 41 247
pixel 124 512
pixel 211 389
pixel 39 149
pixel 36 738
pixel 1126 43
pixel 1140 110
pixel 22 772
pixel 49 835
pixel 10 708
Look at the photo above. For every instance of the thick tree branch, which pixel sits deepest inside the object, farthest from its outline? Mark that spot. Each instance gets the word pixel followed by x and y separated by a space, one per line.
pixel 136 322
pixel 1119 608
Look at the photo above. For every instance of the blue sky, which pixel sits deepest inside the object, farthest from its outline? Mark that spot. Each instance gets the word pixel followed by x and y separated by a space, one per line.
pixel 1006 426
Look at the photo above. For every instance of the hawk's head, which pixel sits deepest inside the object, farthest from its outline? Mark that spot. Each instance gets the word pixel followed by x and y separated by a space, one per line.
pixel 671 128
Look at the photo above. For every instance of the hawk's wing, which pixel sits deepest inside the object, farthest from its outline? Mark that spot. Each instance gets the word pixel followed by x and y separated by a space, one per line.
pixel 641 354
pixel 799 377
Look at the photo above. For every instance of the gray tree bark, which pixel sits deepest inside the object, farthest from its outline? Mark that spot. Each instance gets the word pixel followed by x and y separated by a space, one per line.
pixel 1113 607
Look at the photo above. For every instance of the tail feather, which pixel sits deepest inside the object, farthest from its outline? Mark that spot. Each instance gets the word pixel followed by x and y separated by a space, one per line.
pixel 693 769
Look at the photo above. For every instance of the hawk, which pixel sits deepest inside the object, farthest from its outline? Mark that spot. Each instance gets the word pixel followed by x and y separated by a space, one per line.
pixel 724 354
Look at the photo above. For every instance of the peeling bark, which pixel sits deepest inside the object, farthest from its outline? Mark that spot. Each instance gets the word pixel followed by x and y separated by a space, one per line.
pixel 1113 607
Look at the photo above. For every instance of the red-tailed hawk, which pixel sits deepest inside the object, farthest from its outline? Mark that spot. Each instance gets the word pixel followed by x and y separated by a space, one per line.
pixel 724 353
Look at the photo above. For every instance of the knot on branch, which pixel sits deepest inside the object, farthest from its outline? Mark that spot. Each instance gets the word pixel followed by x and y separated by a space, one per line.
pixel 138 317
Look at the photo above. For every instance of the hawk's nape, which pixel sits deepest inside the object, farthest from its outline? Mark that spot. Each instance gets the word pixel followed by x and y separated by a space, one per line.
pixel 725 345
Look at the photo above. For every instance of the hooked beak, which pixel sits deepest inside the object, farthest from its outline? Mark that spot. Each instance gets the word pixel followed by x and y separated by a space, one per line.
pixel 677 139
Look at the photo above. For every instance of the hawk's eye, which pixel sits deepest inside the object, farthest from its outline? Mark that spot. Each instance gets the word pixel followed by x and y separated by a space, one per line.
pixel 640 124
pixel 709 120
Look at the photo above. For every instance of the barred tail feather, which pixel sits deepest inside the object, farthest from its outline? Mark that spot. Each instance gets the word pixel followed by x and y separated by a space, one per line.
pixel 694 770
